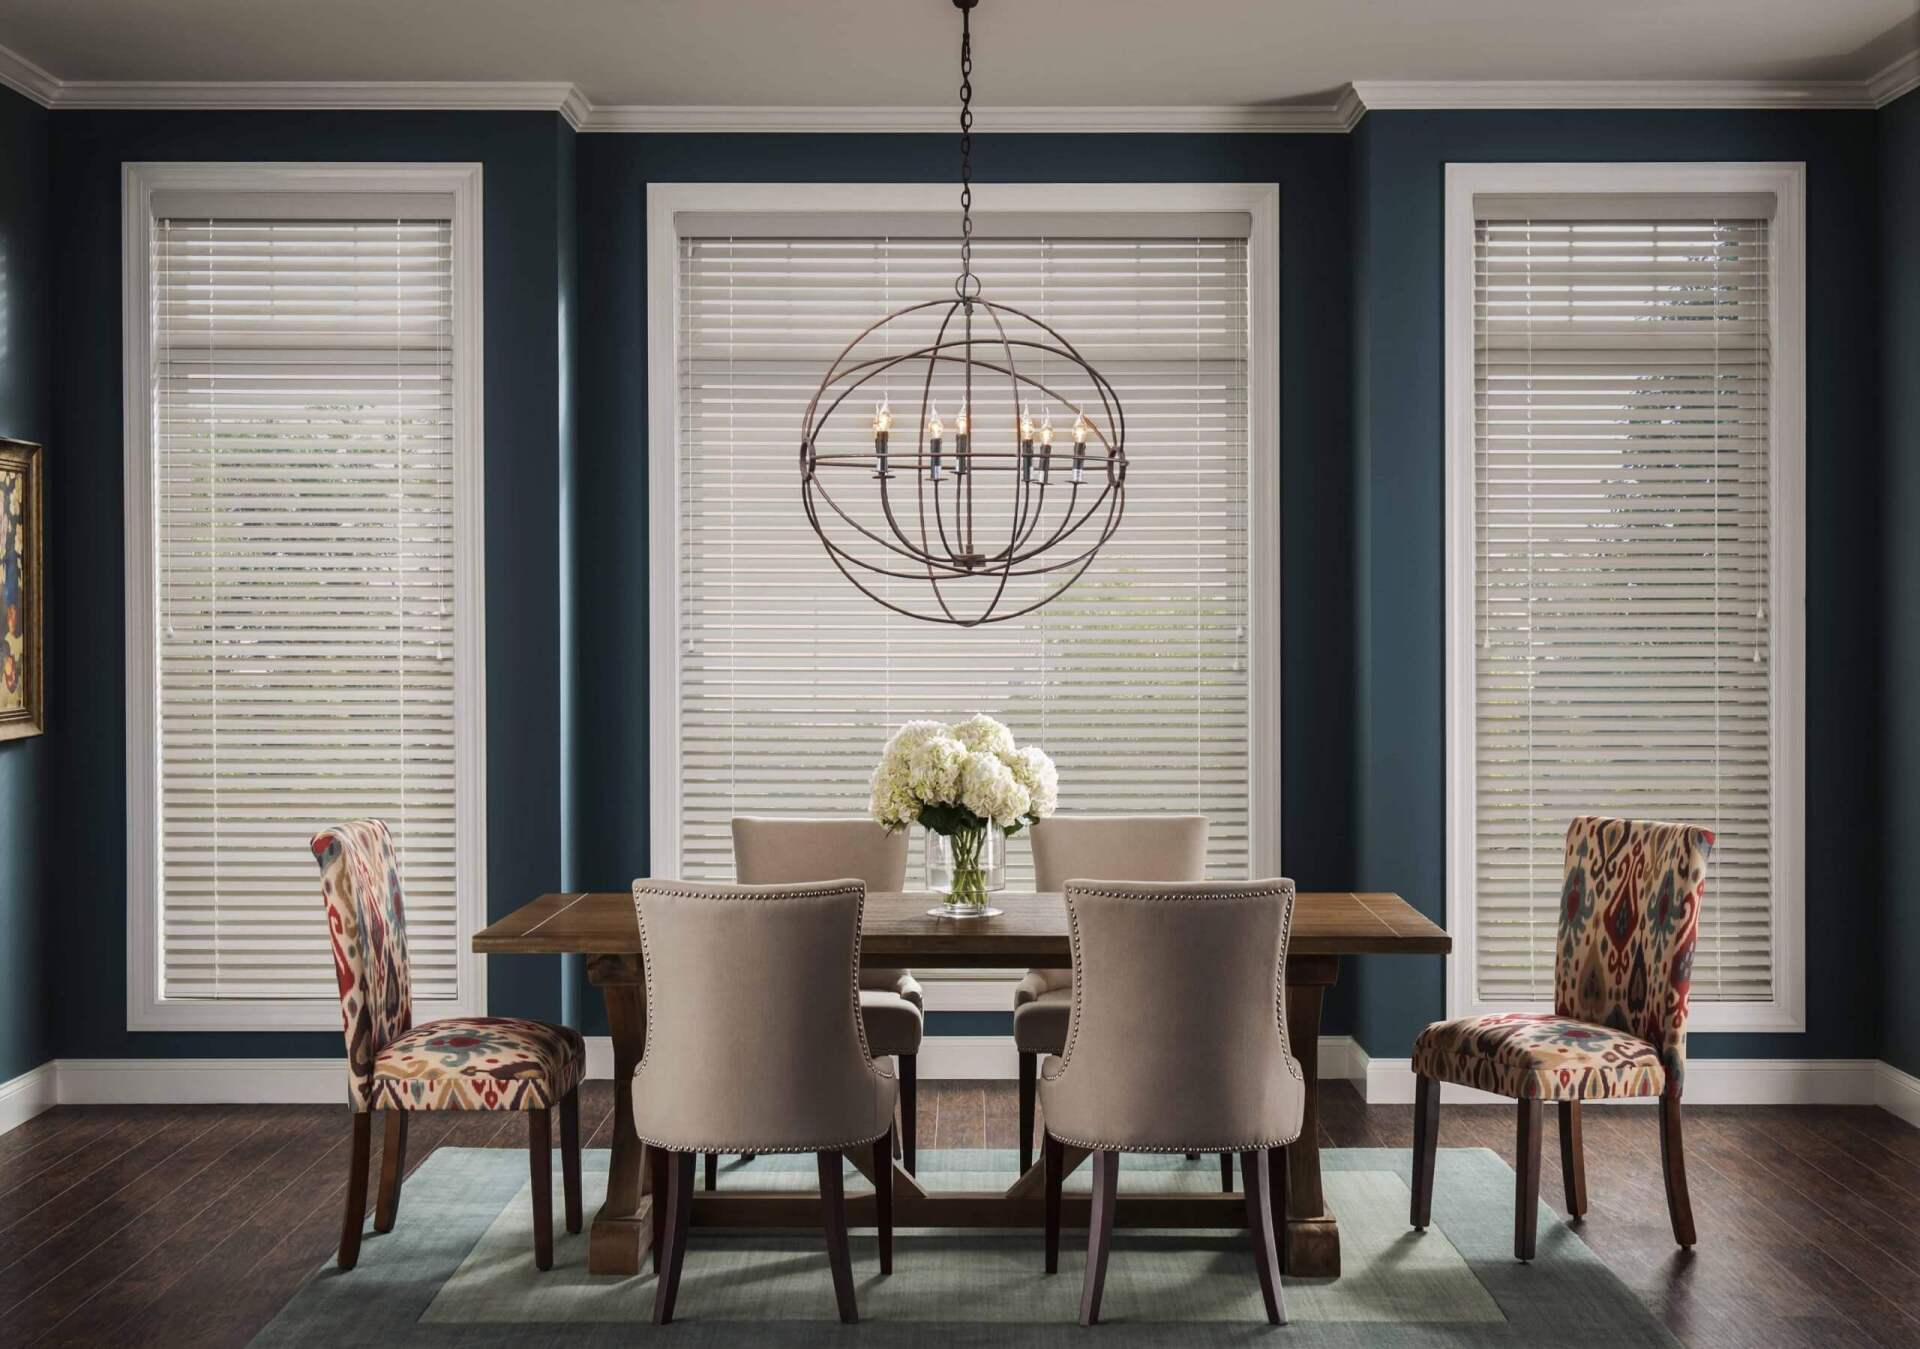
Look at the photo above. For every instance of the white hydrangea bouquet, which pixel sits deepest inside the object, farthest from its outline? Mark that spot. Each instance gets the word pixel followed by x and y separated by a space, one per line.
pixel 971 788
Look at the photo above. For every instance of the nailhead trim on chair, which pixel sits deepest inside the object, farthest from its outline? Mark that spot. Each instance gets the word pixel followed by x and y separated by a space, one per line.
pixel 731 895
pixel 1279 998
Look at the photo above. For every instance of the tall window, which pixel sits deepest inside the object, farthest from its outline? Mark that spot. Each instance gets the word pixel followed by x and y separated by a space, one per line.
pixel 1625 555
pixel 303 623
pixel 1140 679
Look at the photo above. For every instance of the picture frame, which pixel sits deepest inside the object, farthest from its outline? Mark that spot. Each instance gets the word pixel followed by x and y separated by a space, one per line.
pixel 23 671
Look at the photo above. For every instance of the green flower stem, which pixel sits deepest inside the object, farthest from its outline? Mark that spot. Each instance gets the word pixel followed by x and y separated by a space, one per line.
pixel 969 876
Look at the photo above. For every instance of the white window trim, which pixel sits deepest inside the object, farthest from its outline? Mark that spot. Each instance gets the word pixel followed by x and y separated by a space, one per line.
pixel 146 1009
pixel 666 202
pixel 1786 182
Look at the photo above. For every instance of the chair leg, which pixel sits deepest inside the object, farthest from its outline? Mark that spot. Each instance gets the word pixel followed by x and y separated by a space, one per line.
pixel 1029 1082
pixel 660 1163
pixel 356 1215
pixel 1426 1143
pixel 540 1165
pixel 1526 1166
pixel 713 1170
pixel 1280 1198
pixel 907 1068
pixel 833 1217
pixel 1053 1162
pixel 1226 1173
pixel 679 1217
pixel 1254 1174
pixel 883 1197
pixel 393 1170
pixel 1106 1189
pixel 1573 1161
pixel 1673 1162
pixel 570 1156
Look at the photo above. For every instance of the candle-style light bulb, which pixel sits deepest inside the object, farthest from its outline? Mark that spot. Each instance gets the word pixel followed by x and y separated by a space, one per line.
pixel 961 446
pixel 1046 448
pixel 1080 448
pixel 882 424
pixel 934 431
pixel 1026 445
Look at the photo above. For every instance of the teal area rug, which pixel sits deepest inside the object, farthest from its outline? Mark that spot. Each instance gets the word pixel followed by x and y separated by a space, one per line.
pixel 458 1270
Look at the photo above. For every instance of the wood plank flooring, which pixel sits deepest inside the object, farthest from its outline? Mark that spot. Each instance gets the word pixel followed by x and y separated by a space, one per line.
pixel 191 1225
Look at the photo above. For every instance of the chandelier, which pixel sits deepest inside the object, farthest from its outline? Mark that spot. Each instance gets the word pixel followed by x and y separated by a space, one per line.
pixel 999 520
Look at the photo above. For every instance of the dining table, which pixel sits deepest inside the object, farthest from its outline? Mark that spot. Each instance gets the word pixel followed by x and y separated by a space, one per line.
pixel 898 931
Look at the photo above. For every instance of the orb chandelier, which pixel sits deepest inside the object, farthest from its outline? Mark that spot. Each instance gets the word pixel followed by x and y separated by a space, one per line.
pixel 999 520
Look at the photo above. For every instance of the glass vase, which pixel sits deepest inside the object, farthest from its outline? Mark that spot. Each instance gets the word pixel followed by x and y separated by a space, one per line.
pixel 966 866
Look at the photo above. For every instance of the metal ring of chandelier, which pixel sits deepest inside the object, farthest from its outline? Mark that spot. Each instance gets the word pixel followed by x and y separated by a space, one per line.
pixel 1054 509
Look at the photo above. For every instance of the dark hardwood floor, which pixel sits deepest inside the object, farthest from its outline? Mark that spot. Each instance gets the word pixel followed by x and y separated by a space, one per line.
pixel 165 1225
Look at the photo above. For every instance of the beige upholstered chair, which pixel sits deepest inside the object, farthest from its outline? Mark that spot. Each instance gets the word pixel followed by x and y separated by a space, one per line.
pixel 455 1063
pixel 720 1075
pixel 1623 970
pixel 796 852
pixel 1177 1042
pixel 1094 848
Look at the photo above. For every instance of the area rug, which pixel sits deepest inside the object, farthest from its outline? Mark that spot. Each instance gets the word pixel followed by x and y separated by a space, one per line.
pixel 458 1270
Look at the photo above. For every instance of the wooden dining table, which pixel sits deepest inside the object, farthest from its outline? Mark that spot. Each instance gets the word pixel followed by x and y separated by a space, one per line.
pixel 896 932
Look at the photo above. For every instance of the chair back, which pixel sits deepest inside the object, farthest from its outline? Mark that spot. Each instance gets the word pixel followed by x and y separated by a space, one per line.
pixel 367 919
pixel 795 852
pixel 1629 921
pixel 1177 1038
pixel 1118 848
pixel 754 1036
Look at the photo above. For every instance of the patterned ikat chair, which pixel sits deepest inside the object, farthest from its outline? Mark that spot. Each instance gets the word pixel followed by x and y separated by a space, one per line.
pixel 1629 919
pixel 457 1063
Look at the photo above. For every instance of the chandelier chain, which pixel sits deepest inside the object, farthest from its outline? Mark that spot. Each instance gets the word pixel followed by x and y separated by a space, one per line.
pixel 967 285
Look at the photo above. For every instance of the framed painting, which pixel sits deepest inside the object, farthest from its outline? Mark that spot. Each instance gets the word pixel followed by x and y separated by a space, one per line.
pixel 23 673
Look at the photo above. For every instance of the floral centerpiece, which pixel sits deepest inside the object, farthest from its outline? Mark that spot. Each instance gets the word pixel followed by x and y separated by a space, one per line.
pixel 971 788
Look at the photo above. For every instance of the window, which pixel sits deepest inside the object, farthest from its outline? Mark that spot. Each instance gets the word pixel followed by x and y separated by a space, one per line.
pixel 1152 681
pixel 303 479
pixel 1624 556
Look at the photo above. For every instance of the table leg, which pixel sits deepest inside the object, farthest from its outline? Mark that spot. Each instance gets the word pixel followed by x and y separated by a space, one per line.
pixel 623 1228
pixel 1312 1235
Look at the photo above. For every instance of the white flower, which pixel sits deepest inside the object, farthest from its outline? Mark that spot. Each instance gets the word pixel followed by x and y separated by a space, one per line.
pixel 933 769
pixel 1033 770
pixel 988 789
pixel 982 734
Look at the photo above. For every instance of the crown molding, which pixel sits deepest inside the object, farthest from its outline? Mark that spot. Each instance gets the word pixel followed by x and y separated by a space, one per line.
pixel 24 77
pixel 1267 119
pixel 1385 95
pixel 1342 114
pixel 1899 77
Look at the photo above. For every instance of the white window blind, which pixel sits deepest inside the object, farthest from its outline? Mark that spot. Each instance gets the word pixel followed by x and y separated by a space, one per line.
pixel 1623 643
pixel 790 680
pixel 303 461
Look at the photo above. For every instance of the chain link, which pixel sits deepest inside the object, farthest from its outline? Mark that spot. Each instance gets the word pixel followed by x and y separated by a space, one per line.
pixel 967 285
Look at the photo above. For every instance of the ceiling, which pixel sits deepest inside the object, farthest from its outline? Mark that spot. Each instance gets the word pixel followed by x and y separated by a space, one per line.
pixel 1033 53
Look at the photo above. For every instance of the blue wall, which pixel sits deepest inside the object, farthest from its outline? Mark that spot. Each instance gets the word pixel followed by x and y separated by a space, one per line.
pixel 609 689
pixel 1361 449
pixel 1899 975
pixel 527 159
pixel 26 766
pixel 1399 168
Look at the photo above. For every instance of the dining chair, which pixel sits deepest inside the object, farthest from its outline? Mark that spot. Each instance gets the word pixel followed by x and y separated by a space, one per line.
pixel 1094 847
pixel 455 1063
pixel 720 1075
pixel 1623 965
pixel 794 852
pixel 1176 1042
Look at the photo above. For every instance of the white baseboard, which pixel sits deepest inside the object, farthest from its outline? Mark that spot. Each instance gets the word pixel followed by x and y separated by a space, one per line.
pixel 950 1057
pixel 1709 1082
pixel 1898 1094
pixel 203 1081
pixel 27 1095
